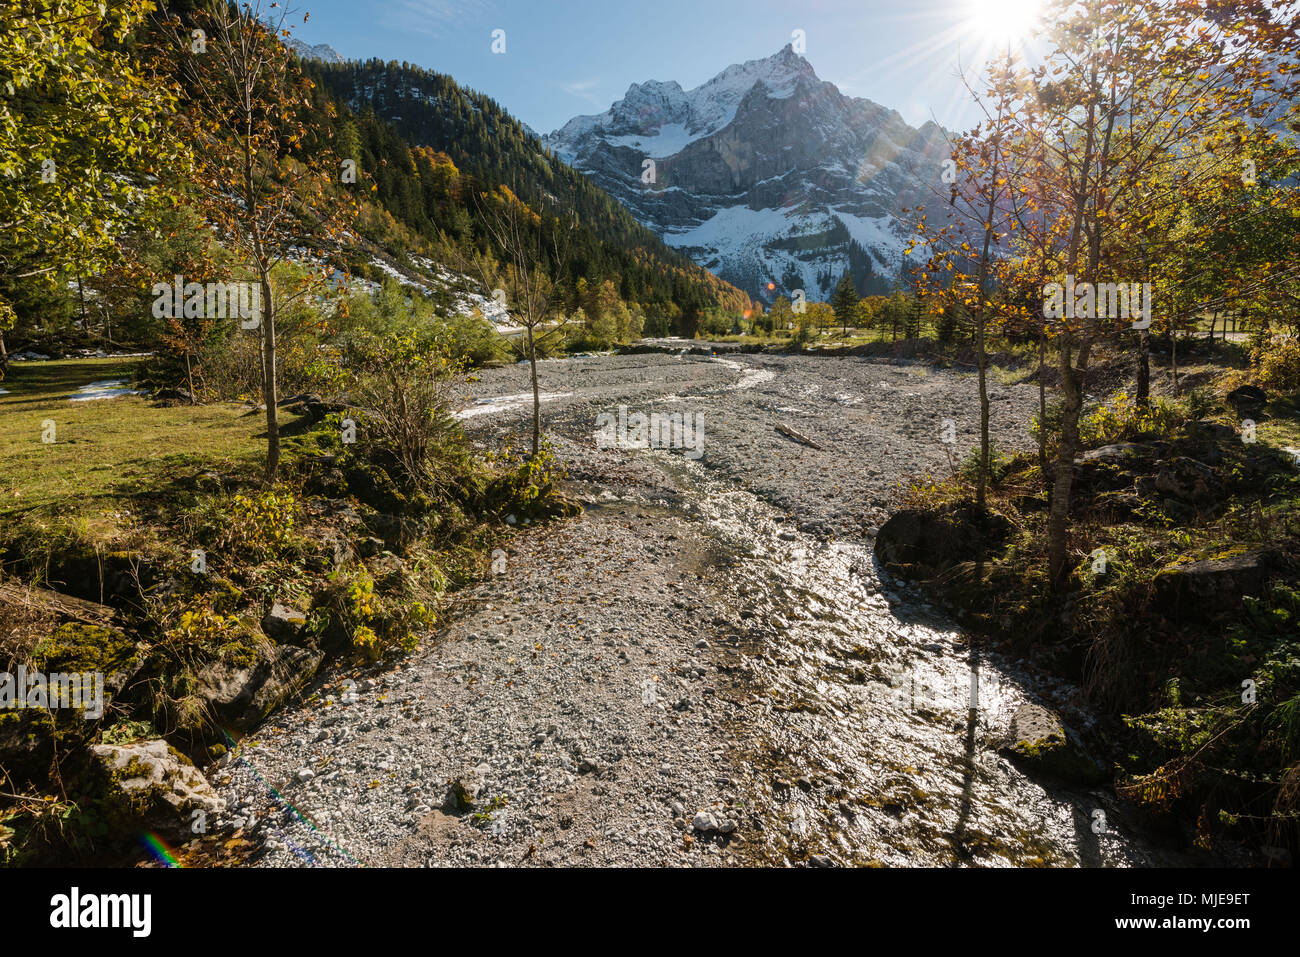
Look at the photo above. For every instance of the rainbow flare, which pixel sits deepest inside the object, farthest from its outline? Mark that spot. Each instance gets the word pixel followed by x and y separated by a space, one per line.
pixel 155 846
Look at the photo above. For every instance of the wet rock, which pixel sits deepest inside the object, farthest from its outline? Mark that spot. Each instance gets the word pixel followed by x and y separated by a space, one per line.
pixel 1039 743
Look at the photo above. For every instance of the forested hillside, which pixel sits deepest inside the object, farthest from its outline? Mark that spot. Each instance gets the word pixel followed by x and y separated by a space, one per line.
pixel 430 145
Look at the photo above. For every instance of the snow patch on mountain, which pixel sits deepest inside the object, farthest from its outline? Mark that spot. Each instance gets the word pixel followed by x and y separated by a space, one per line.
pixel 766 174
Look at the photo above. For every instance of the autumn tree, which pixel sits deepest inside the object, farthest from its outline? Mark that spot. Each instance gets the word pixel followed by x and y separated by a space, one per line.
pixel 1125 90
pixel 83 144
pixel 266 181
pixel 522 282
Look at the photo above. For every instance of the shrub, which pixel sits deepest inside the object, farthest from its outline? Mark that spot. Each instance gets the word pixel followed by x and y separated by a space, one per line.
pixel 1277 365
pixel 407 382
pixel 1123 418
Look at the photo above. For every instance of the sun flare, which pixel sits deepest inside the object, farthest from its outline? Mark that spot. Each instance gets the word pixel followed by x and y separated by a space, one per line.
pixel 1002 21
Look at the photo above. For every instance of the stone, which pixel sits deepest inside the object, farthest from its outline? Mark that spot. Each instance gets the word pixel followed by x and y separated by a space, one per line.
pixel 1213 430
pixel 1197 590
pixel 240 695
pixel 1188 480
pixel 282 623
pixel 174 395
pixel 704 822
pixel 1038 742
pixel 30 737
pixel 1247 399
pixel 151 786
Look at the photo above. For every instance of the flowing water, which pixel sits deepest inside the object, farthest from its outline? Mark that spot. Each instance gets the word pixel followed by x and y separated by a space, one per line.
pixel 874 727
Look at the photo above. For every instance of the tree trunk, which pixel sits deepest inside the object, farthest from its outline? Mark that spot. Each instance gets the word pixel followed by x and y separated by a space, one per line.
pixel 1042 402
pixel 1173 359
pixel 537 398
pixel 81 297
pixel 189 377
pixel 984 418
pixel 270 395
pixel 1059 515
pixel 1144 368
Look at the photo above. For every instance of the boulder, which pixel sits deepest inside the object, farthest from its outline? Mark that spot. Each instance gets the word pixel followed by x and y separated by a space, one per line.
pixel 240 694
pixel 1189 481
pixel 174 395
pixel 1111 468
pixel 1247 399
pixel 283 624
pixel 302 398
pixel 1213 430
pixel 30 737
pixel 1212 586
pixel 150 786
pixel 1039 744
pixel 929 542
pixel 1125 455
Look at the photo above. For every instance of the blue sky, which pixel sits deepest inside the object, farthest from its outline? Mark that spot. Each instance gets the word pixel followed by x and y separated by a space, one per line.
pixel 567 57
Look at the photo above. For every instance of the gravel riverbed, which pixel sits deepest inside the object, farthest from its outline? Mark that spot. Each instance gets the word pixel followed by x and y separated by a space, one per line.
pixel 704 669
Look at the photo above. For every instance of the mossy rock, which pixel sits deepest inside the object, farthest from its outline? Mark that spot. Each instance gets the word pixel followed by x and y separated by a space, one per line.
pixel 117 578
pixel 1201 590
pixel 372 485
pixel 240 691
pixel 148 786
pixel 924 544
pixel 224 595
pixel 1039 744
pixel 80 647
pixel 30 737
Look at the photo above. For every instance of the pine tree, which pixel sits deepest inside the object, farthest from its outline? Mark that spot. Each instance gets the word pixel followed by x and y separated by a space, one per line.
pixel 845 301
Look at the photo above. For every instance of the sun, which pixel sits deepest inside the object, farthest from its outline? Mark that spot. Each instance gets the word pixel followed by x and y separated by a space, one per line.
pixel 1004 21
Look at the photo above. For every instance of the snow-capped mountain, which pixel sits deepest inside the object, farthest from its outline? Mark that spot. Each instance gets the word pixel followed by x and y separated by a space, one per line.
pixel 764 174
pixel 321 51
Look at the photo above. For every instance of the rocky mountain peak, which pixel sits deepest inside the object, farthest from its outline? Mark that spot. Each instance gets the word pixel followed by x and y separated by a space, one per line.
pixel 763 174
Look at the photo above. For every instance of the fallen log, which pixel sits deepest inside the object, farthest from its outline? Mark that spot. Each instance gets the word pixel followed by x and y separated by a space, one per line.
pixel 799 437
pixel 64 606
